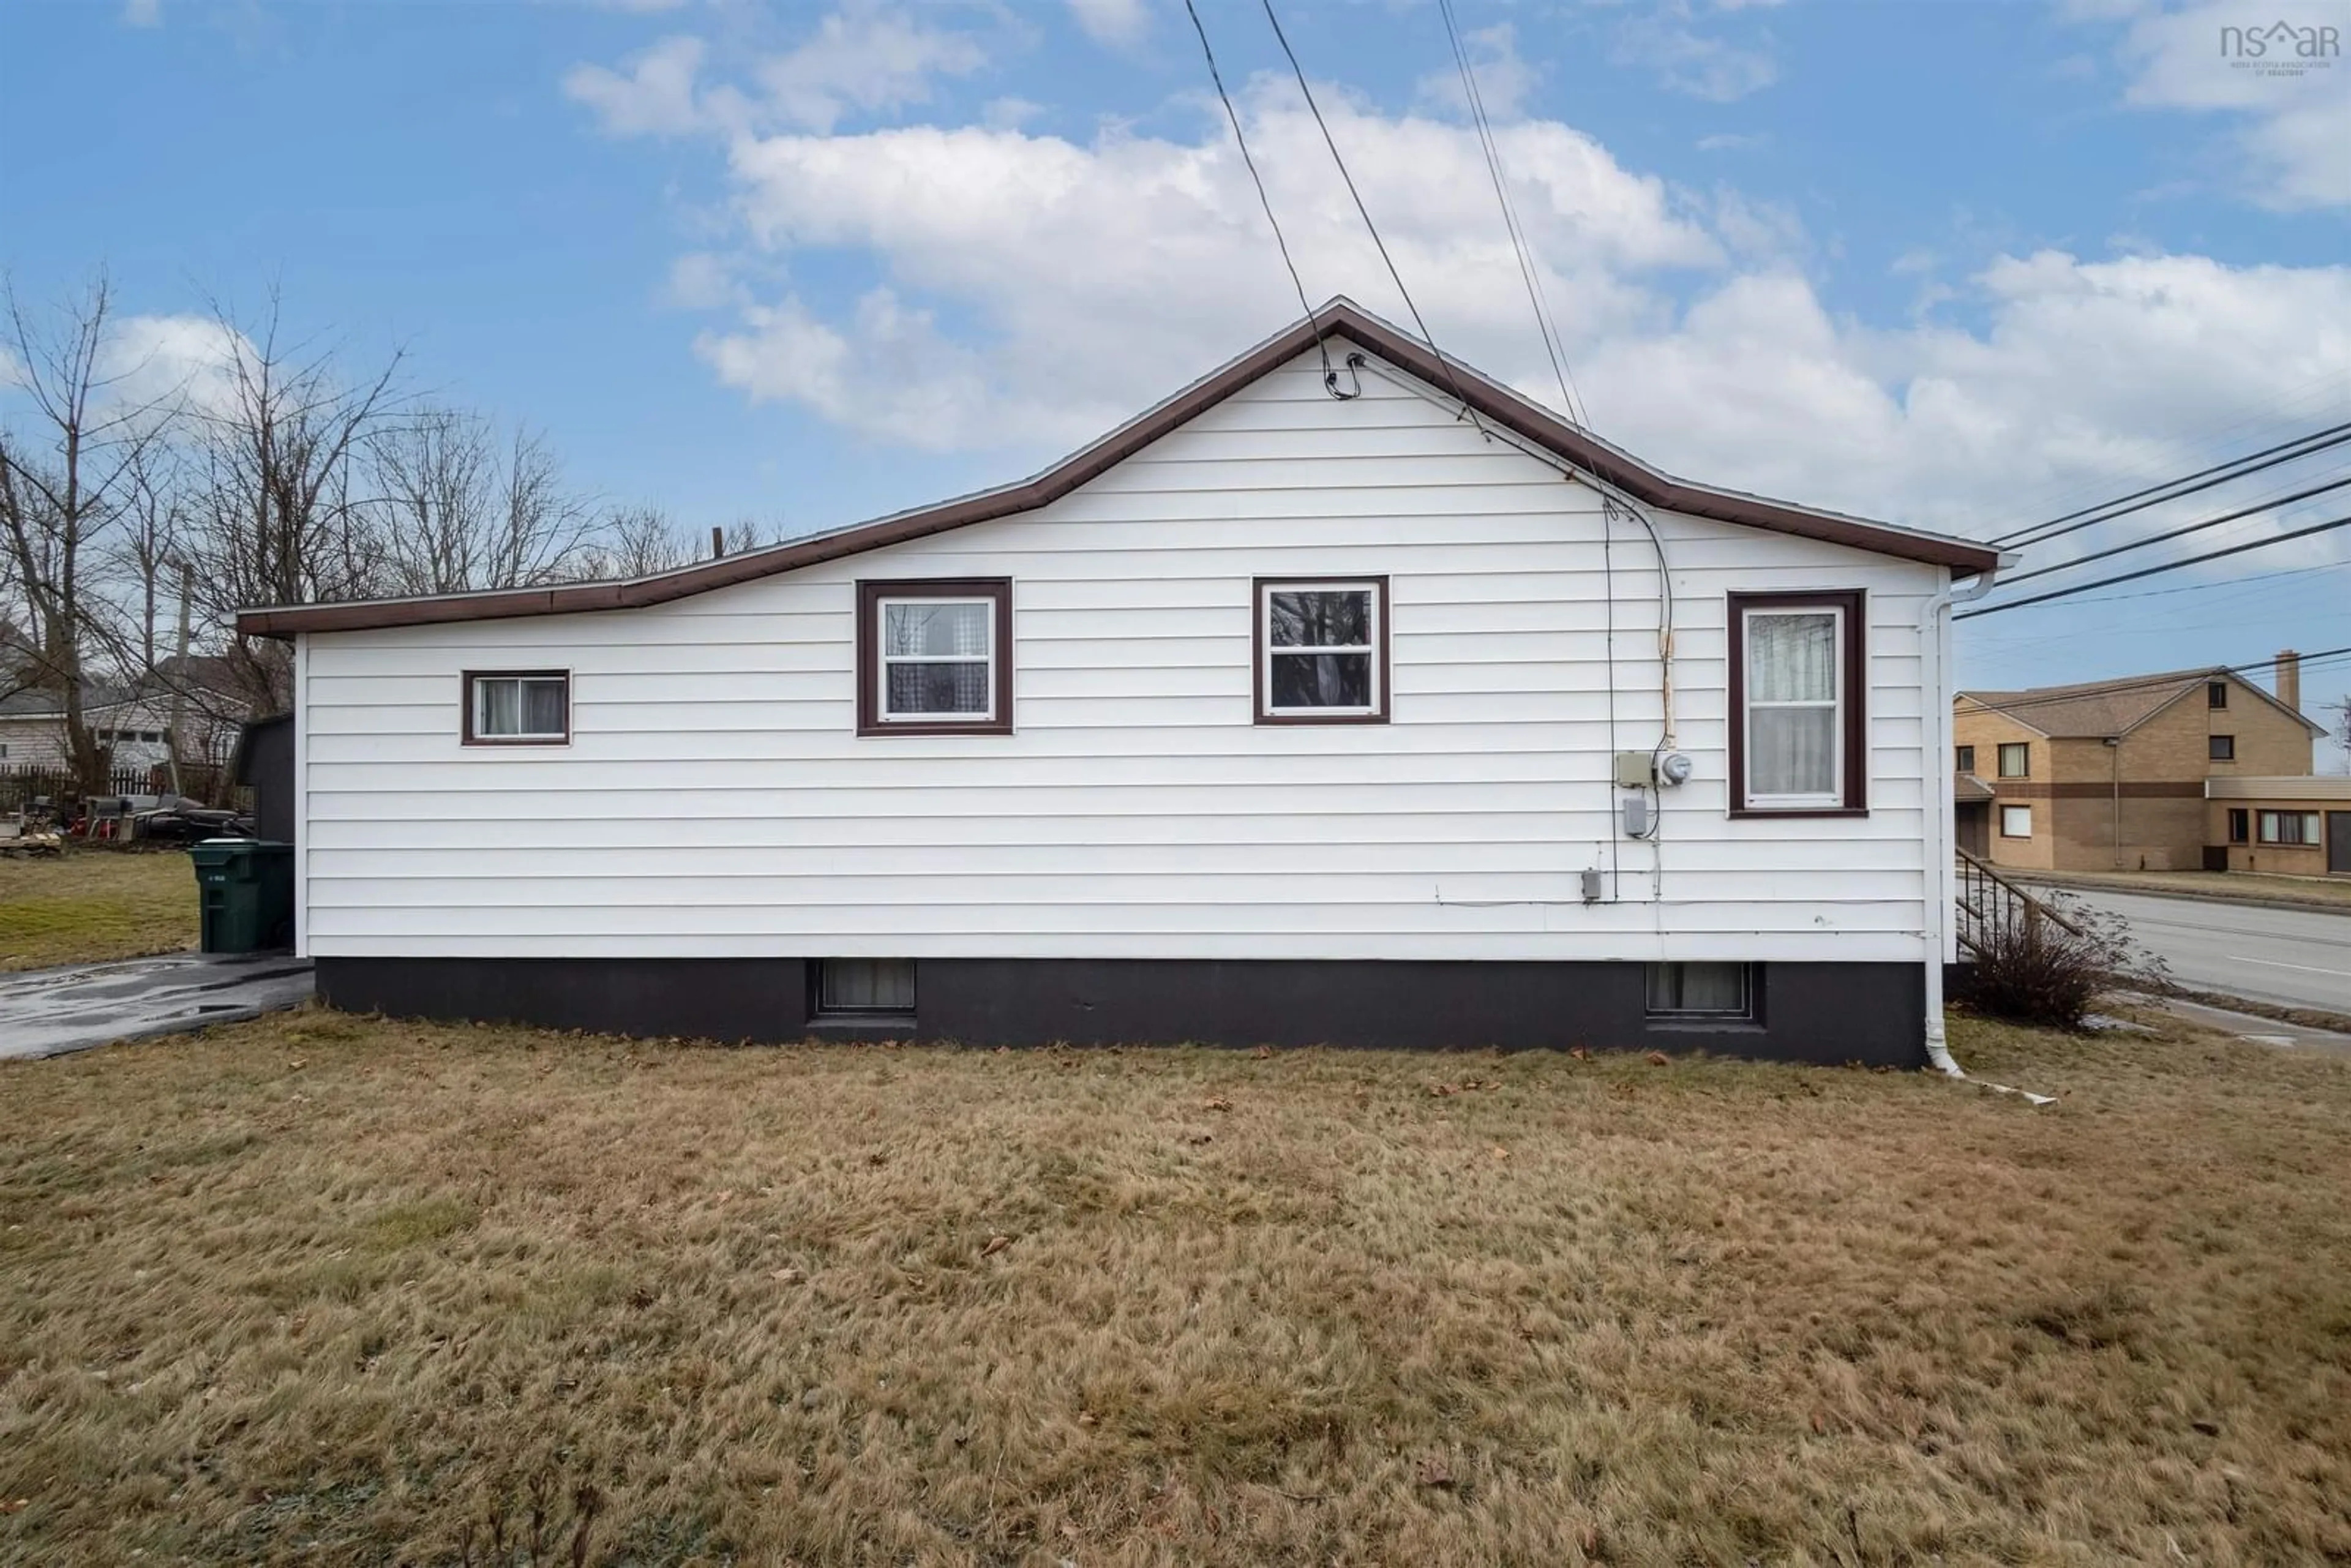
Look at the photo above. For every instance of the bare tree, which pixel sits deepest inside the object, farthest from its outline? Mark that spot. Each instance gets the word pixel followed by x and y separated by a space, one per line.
pixel 464 510
pixel 637 542
pixel 276 512
pixel 61 489
pixel 146 546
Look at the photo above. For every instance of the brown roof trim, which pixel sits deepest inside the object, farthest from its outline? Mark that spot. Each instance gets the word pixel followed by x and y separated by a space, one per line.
pixel 1341 318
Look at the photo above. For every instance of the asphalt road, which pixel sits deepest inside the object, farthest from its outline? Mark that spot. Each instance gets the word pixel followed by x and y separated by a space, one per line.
pixel 2295 958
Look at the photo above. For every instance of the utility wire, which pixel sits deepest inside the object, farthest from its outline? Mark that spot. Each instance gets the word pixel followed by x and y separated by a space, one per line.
pixel 1329 376
pixel 2240 513
pixel 1316 109
pixel 2219 474
pixel 2323 658
pixel 2327 526
pixel 1528 272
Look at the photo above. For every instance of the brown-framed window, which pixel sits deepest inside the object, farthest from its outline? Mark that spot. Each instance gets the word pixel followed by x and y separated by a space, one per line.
pixel 2287 827
pixel 2221 748
pixel 1967 759
pixel 934 656
pixel 517 707
pixel 2240 825
pixel 1798 737
pixel 2016 759
pixel 1723 993
pixel 1321 649
pixel 2016 822
pixel 2216 694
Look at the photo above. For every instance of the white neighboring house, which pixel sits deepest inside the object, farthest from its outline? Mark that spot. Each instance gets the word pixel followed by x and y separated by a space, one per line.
pixel 1273 716
pixel 135 727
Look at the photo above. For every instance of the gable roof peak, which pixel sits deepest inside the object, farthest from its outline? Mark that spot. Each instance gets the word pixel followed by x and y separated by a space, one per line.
pixel 1441 373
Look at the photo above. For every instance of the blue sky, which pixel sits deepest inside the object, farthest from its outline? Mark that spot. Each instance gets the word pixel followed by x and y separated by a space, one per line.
pixel 1959 265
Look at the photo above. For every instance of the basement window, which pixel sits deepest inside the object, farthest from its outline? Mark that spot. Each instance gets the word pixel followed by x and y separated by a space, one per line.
pixel 2016 822
pixel 517 707
pixel 865 988
pixel 1720 992
pixel 2221 748
pixel 1322 651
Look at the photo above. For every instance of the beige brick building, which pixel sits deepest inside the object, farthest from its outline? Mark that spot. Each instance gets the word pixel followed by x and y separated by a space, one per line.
pixel 2110 775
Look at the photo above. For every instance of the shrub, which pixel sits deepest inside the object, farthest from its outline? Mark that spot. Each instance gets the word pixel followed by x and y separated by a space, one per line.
pixel 2048 970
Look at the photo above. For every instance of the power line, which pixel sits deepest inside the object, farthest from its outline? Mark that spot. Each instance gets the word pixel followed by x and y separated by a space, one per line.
pixel 2238 468
pixel 1528 271
pixel 2327 526
pixel 1329 376
pixel 1316 109
pixel 2323 659
pixel 2275 413
pixel 2209 587
pixel 2240 513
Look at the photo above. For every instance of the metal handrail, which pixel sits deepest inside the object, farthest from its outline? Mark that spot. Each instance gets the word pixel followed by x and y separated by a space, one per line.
pixel 1992 906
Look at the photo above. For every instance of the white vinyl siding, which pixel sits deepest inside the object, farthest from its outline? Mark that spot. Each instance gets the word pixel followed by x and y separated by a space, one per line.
pixel 714 798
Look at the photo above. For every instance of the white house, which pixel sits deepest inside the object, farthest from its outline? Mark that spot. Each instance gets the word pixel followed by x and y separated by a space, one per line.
pixel 1349 708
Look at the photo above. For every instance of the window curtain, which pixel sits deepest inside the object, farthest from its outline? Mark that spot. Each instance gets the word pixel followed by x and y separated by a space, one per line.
pixel 501 707
pixel 1791 660
pixel 542 707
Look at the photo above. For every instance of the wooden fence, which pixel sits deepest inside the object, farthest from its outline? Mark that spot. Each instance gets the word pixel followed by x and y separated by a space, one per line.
pixel 198 782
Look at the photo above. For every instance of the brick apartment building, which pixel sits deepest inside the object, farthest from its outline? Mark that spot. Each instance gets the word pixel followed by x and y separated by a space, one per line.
pixel 2110 775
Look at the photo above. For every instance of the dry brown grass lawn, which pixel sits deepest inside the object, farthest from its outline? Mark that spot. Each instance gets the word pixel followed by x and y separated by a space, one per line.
pixel 335 1291
pixel 92 905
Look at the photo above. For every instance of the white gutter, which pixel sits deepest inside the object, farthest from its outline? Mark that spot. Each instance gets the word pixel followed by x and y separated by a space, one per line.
pixel 1934 632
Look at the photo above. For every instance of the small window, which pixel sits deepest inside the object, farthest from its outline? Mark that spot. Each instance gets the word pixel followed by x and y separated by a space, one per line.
pixel 517 707
pixel 934 656
pixel 1796 663
pixel 2239 824
pixel 865 987
pixel 2289 827
pixel 1967 759
pixel 1701 991
pixel 2016 822
pixel 2221 748
pixel 2216 695
pixel 1322 651
pixel 2016 759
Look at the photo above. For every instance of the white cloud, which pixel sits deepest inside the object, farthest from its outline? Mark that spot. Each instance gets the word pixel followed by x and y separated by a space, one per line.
pixel 1733 141
pixel 2293 131
pixel 142 13
pixel 865 58
pixel 1689 61
pixel 699 280
pixel 171 361
pixel 1118 23
pixel 1022 292
pixel 1149 250
pixel 655 98
pixel 1504 80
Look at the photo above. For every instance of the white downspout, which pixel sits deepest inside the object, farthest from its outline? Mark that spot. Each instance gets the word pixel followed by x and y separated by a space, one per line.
pixel 1934 631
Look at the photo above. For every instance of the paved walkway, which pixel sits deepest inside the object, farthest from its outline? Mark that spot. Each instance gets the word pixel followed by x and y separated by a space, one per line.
pixel 49 1012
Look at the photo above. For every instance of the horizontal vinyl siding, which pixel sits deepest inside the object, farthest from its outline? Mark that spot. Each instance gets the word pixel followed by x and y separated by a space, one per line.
pixel 714 798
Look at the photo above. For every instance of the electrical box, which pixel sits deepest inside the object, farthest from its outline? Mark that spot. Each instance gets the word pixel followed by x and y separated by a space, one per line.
pixel 1591 885
pixel 1636 816
pixel 1635 770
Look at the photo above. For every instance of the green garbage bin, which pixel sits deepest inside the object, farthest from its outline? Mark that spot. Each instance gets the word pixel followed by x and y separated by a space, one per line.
pixel 245 890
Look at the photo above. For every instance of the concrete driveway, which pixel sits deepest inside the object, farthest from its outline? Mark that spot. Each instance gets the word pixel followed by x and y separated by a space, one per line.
pixel 49 1012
